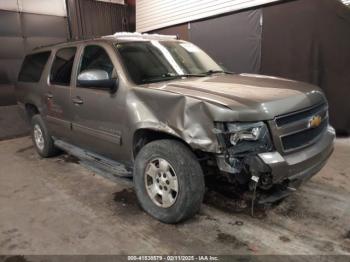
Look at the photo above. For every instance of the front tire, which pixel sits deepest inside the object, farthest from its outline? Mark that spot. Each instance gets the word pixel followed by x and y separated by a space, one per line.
pixel 169 181
pixel 42 140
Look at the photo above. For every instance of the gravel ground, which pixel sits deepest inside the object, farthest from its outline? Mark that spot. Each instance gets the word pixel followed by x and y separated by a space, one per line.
pixel 56 206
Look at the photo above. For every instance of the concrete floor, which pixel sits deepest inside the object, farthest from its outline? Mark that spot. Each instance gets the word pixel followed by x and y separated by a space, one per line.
pixel 56 206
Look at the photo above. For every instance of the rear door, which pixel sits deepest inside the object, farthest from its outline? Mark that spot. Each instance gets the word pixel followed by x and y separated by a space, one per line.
pixel 98 113
pixel 58 102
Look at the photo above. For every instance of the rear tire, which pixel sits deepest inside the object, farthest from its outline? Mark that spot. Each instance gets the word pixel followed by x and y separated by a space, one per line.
pixel 169 181
pixel 42 140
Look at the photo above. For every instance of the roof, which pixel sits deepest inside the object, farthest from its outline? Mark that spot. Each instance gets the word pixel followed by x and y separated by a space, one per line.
pixel 138 36
pixel 117 37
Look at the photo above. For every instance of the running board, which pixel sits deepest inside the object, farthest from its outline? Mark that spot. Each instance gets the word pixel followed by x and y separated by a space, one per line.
pixel 97 163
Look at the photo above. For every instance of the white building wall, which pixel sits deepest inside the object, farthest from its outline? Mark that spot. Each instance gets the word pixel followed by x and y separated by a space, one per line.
pixel 155 14
pixel 43 7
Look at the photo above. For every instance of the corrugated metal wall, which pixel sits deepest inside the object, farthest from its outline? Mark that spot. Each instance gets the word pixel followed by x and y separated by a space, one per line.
pixel 155 14
pixel 25 24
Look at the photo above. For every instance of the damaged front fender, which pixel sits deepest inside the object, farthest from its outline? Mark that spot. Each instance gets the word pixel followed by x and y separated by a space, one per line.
pixel 187 118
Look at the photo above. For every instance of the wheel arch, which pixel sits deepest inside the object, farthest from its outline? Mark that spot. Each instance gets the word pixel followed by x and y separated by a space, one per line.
pixel 31 110
pixel 143 136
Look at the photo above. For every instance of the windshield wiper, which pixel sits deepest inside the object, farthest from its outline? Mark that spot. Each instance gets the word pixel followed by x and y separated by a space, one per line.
pixel 210 72
pixel 191 75
pixel 169 76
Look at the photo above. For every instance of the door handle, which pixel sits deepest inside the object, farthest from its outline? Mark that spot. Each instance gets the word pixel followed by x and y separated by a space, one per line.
pixel 49 95
pixel 78 101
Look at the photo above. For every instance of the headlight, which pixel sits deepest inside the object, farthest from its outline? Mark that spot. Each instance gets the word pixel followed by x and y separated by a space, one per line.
pixel 246 131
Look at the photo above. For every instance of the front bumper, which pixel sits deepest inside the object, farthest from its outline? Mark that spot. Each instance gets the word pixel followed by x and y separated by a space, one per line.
pixel 297 166
pixel 302 164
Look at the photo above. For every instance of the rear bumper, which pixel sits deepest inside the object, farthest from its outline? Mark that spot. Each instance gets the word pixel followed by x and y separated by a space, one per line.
pixel 303 164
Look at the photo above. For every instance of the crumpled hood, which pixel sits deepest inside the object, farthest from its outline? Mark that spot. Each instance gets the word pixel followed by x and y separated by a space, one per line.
pixel 254 97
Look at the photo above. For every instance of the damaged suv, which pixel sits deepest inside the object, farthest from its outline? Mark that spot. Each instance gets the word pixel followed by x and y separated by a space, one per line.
pixel 161 111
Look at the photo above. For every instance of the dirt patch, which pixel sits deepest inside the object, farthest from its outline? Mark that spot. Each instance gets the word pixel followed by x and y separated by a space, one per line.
pixel 230 239
pixel 284 239
pixel 232 205
pixel 5 242
pixel 288 208
pixel 224 203
pixel 126 201
pixel 24 149
pixel 296 209
pixel 236 223
pixel 347 235
pixel 325 246
pixel 125 197
pixel 10 231
pixel 291 208
pixel 68 159
pixel 208 217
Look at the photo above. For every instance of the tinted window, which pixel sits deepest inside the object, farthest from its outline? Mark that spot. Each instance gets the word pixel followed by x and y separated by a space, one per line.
pixel 95 57
pixel 33 66
pixel 62 66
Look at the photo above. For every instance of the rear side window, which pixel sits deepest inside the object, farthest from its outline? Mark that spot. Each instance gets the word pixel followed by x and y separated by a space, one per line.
pixel 61 69
pixel 33 66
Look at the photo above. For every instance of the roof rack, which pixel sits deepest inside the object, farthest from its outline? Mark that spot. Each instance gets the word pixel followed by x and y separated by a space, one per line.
pixel 48 45
pixel 120 35
pixel 64 42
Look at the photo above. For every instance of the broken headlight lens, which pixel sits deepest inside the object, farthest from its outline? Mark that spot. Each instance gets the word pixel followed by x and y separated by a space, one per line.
pixel 245 131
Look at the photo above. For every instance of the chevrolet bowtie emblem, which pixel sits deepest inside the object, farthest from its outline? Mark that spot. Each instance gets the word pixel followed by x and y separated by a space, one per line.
pixel 315 121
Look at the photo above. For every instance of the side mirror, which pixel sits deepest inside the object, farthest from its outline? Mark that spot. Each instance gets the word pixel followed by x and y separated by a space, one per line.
pixel 97 78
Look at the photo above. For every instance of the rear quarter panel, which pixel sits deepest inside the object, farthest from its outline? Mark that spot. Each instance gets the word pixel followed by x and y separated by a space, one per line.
pixel 34 92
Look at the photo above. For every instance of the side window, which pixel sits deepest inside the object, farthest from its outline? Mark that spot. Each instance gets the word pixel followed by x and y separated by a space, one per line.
pixel 33 66
pixel 61 69
pixel 96 57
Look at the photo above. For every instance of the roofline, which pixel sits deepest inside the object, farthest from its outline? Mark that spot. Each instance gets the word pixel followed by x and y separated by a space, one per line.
pixel 66 42
pixel 112 38
pixel 144 36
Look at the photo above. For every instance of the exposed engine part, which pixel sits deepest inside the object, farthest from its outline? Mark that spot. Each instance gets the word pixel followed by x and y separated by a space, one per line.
pixel 225 165
pixel 236 157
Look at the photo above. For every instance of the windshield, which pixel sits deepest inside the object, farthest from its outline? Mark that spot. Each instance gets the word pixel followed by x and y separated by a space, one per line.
pixel 155 61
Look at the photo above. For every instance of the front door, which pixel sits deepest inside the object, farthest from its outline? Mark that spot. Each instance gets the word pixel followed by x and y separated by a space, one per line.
pixel 58 100
pixel 96 110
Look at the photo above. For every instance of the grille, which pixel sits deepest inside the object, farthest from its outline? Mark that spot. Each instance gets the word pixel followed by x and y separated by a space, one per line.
pixel 292 131
pixel 303 138
pixel 294 117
